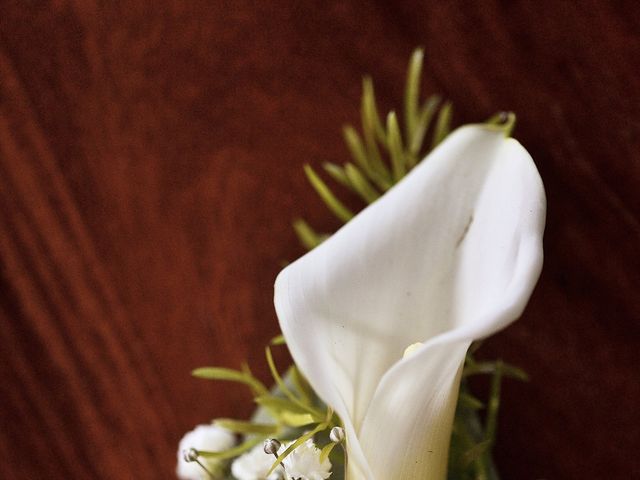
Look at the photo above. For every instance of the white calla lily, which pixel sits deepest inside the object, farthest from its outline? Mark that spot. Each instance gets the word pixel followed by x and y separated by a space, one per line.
pixel 449 255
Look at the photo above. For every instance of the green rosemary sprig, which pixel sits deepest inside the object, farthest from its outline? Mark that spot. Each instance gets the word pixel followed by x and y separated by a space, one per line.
pixel 384 153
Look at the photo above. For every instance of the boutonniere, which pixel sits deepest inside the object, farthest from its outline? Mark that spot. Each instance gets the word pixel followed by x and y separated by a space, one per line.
pixel 380 316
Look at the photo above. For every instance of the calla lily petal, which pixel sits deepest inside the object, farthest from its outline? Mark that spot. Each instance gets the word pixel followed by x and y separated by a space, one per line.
pixel 449 255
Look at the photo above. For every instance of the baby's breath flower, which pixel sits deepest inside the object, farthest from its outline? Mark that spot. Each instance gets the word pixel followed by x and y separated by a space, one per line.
pixel 337 434
pixel 271 446
pixel 304 462
pixel 254 465
pixel 210 438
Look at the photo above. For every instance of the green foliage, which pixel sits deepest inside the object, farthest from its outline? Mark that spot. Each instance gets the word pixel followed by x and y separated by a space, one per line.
pixel 217 373
pixel 384 153
pixel 295 411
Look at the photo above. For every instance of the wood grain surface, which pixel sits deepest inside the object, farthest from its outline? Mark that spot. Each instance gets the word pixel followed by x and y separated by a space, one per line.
pixel 150 166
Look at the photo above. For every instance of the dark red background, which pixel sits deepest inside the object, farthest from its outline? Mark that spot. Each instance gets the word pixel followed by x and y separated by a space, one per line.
pixel 150 165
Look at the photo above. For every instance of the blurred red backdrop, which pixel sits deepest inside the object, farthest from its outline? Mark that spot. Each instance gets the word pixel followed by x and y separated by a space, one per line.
pixel 150 166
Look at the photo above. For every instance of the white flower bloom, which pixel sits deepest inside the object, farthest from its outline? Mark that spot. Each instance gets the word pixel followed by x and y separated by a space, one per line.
pixel 449 255
pixel 254 465
pixel 304 462
pixel 204 437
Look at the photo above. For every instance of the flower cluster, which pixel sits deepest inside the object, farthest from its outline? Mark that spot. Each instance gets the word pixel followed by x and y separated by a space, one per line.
pixel 306 462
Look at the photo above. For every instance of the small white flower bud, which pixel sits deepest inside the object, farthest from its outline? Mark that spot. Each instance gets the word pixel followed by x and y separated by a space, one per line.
pixel 271 446
pixel 337 434
pixel 190 455
pixel 210 438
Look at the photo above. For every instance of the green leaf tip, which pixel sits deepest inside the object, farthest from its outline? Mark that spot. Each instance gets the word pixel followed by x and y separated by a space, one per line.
pixel 359 183
pixel 412 93
pixel 326 451
pixel 475 452
pixel 337 173
pixel 371 118
pixel 335 205
pixel 425 116
pixel 505 121
pixel 230 375
pixel 396 150
pixel 307 235
pixel 443 124
pixel 466 400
